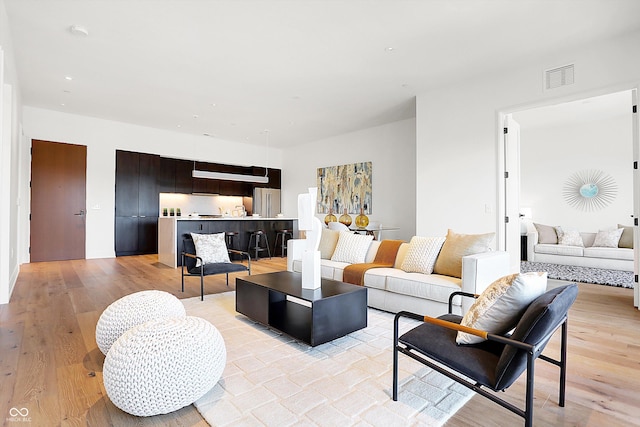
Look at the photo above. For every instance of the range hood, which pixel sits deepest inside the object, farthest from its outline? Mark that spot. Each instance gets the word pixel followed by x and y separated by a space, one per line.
pixel 230 176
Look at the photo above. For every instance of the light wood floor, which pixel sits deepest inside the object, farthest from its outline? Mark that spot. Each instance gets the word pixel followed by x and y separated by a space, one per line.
pixel 50 364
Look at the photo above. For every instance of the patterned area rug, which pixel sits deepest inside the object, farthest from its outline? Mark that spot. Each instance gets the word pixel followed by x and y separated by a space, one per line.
pixel 272 380
pixel 573 273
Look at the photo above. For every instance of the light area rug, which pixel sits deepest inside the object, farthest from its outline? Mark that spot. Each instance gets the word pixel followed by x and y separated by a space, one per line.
pixel 272 380
pixel 572 273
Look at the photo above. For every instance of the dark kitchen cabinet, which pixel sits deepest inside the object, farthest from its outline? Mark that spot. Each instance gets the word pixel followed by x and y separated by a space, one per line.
pixel 167 175
pixel 136 203
pixel 184 181
pixel 235 188
pixel 174 176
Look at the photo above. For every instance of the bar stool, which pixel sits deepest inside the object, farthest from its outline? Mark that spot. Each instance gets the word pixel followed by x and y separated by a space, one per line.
pixel 228 237
pixel 257 237
pixel 283 235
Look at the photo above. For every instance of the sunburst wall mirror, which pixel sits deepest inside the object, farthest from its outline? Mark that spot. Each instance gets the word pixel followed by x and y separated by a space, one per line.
pixel 590 190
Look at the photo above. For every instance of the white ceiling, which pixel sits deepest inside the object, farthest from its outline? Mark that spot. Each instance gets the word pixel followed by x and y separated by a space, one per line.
pixel 303 69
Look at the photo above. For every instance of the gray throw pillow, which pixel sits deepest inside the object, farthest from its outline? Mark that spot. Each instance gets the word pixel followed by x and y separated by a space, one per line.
pixel 546 234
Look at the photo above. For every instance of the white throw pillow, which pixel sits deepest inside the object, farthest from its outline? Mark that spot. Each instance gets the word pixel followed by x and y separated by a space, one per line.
pixel 351 248
pixel 422 254
pixel 608 238
pixel 499 308
pixel 212 248
pixel 328 242
pixel 569 237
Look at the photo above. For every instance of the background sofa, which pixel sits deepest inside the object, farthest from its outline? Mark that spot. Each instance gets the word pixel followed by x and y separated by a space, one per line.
pixel 612 258
pixel 393 289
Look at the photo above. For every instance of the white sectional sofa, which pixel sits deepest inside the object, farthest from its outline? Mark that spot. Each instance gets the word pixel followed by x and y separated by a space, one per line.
pixel 393 289
pixel 587 256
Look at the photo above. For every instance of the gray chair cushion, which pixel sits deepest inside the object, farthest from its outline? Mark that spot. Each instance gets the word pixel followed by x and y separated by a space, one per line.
pixel 542 316
pixel 474 361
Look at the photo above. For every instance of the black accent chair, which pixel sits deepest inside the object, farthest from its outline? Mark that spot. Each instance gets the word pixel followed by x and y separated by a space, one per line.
pixel 497 362
pixel 189 261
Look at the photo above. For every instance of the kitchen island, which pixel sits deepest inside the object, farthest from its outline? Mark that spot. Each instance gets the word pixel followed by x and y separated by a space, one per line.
pixel 173 229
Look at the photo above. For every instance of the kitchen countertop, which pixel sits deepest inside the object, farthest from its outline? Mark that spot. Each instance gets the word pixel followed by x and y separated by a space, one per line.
pixel 236 218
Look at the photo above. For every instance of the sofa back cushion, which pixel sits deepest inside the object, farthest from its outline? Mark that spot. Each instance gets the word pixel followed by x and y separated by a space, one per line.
pixel 328 242
pixel 402 253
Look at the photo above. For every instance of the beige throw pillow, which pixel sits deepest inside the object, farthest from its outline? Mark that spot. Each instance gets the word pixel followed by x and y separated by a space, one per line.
pixel 421 254
pixel 328 242
pixel 546 234
pixel 626 240
pixel 456 246
pixel 499 308
pixel 212 248
pixel 351 248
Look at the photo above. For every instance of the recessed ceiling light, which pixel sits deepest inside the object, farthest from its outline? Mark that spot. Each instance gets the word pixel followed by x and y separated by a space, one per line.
pixel 68 78
pixel 195 116
pixel 62 104
pixel 179 126
pixel 389 49
pixel 206 134
pixel 79 30
pixel 213 105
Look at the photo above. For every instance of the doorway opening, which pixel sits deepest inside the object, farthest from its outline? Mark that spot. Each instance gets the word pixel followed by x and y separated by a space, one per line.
pixel 557 142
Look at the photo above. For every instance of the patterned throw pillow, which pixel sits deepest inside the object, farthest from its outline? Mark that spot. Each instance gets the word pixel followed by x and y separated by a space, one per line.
pixel 211 248
pixel 351 248
pixel 608 238
pixel 498 309
pixel 422 254
pixel 456 246
pixel 569 237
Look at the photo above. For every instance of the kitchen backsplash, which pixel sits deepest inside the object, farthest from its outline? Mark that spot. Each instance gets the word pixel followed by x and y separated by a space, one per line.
pixel 205 205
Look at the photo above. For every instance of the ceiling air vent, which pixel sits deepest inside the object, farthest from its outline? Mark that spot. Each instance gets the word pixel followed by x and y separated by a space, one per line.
pixel 557 77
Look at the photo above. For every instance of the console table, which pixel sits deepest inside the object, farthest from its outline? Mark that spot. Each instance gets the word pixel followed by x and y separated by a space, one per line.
pixel 312 316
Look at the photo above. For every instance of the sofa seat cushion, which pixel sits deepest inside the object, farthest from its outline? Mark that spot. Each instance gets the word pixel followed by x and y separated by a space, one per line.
pixel 433 287
pixel 609 253
pixel 544 248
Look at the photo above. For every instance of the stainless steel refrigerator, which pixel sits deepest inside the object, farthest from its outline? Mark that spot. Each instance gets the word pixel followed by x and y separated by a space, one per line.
pixel 266 202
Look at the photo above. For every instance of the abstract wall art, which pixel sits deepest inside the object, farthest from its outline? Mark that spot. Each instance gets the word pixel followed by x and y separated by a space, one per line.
pixel 590 190
pixel 345 187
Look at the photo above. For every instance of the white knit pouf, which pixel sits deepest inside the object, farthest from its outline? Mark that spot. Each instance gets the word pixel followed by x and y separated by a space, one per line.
pixel 133 310
pixel 163 365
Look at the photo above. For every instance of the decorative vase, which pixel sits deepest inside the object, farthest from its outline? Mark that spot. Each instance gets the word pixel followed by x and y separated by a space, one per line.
pixel 330 217
pixel 345 218
pixel 362 220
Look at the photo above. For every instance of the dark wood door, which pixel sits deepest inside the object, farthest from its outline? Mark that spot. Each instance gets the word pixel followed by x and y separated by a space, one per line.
pixel 58 201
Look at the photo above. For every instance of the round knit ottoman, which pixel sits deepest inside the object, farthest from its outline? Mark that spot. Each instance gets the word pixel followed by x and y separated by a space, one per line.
pixel 133 310
pixel 163 365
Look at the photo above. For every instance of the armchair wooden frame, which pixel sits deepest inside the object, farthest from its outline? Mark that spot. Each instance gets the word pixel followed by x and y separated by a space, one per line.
pixel 210 269
pixel 532 353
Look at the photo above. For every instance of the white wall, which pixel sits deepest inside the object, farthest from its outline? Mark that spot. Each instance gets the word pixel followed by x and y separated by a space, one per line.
pixel 103 137
pixel 390 148
pixel 9 155
pixel 458 133
pixel 550 155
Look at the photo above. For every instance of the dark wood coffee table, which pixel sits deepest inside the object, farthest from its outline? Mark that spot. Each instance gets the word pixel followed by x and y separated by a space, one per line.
pixel 312 316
